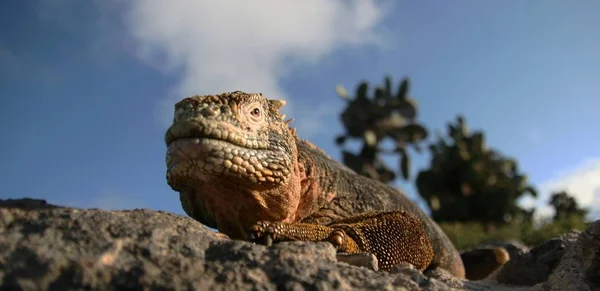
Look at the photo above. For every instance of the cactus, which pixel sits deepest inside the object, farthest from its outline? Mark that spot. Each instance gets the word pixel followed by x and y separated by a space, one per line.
pixel 565 206
pixel 469 182
pixel 372 119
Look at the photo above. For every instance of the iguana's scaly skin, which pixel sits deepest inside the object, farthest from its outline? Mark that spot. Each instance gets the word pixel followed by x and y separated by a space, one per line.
pixel 241 169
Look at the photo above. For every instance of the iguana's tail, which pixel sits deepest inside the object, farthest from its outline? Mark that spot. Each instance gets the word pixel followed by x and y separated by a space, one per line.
pixel 480 263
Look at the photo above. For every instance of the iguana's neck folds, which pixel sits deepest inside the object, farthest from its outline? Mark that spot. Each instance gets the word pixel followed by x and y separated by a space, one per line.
pixel 235 207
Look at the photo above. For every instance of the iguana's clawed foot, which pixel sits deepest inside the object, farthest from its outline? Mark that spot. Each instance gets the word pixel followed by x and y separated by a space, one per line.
pixel 264 232
pixel 269 232
pixel 337 238
pixel 221 235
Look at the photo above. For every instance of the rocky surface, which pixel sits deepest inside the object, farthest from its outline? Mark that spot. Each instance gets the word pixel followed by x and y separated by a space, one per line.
pixel 571 262
pixel 513 247
pixel 45 247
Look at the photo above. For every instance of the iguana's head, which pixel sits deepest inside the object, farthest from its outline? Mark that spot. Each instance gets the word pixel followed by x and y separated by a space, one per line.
pixel 236 137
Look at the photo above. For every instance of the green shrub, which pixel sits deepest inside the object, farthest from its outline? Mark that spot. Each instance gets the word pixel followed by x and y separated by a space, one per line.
pixel 471 234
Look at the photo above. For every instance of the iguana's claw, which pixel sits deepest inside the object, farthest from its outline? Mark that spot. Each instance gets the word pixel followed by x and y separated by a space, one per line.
pixel 263 232
pixel 336 238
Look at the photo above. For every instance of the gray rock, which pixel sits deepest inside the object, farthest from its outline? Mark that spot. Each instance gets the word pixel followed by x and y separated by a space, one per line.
pixel 513 247
pixel 530 268
pixel 45 247
pixel 53 248
pixel 571 262
pixel 579 268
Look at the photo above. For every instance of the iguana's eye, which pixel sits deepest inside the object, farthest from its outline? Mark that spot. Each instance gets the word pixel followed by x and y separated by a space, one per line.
pixel 255 112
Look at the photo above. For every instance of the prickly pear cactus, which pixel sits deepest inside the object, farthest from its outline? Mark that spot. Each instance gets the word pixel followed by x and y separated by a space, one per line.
pixel 467 181
pixel 565 205
pixel 374 116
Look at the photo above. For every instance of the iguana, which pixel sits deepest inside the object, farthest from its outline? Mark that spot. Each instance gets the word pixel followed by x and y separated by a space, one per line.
pixel 239 167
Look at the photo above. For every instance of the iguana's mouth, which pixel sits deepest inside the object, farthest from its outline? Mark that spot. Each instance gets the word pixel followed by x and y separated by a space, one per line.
pixel 210 131
pixel 206 158
pixel 197 151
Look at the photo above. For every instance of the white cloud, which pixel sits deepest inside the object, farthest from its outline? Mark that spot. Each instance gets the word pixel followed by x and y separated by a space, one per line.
pixel 582 181
pixel 594 213
pixel 221 46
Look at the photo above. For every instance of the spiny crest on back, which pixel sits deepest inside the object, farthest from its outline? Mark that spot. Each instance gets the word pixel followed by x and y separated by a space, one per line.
pixel 277 104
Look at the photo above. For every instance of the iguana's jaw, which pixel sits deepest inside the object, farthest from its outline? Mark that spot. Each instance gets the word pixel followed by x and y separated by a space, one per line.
pixel 194 160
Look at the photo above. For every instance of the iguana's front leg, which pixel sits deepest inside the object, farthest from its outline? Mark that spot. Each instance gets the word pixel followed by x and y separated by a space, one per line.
pixel 393 237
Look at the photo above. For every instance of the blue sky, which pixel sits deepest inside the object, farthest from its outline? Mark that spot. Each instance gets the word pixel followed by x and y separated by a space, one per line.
pixel 88 86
